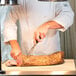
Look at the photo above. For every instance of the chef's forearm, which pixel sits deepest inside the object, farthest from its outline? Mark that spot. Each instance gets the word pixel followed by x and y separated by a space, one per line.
pixel 14 44
pixel 54 25
pixel 15 49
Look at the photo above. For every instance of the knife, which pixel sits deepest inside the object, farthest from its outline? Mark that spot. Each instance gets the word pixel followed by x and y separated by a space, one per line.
pixel 31 50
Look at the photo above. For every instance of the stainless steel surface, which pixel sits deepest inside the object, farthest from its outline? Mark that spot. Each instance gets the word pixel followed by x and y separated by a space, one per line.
pixel 41 73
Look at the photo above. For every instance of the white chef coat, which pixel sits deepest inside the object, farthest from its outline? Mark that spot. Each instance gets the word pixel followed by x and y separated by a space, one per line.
pixel 22 22
pixel 4 10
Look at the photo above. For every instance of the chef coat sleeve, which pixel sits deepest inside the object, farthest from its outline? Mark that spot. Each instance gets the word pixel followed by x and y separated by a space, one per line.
pixel 64 15
pixel 10 27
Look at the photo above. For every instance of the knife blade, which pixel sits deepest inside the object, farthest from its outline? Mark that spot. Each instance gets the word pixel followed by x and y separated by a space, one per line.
pixel 31 50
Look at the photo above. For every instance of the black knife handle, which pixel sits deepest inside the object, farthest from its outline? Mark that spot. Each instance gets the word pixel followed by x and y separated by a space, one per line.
pixel 37 40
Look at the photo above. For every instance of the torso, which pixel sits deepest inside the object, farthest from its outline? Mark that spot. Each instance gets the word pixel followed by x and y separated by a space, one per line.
pixel 32 16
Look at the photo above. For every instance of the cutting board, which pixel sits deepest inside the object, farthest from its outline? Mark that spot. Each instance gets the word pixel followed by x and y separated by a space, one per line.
pixel 68 65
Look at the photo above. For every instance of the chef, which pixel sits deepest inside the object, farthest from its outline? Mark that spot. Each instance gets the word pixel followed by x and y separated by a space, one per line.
pixel 36 21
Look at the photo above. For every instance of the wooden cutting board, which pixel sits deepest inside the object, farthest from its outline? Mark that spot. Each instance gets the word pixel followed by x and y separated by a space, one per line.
pixel 68 65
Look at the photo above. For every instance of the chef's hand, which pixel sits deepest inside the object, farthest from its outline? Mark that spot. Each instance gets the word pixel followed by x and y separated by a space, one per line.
pixel 19 59
pixel 40 32
pixel 16 62
pixel 15 52
pixel 43 29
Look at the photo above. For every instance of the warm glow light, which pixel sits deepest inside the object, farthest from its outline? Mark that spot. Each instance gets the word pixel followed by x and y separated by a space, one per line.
pixel 58 72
